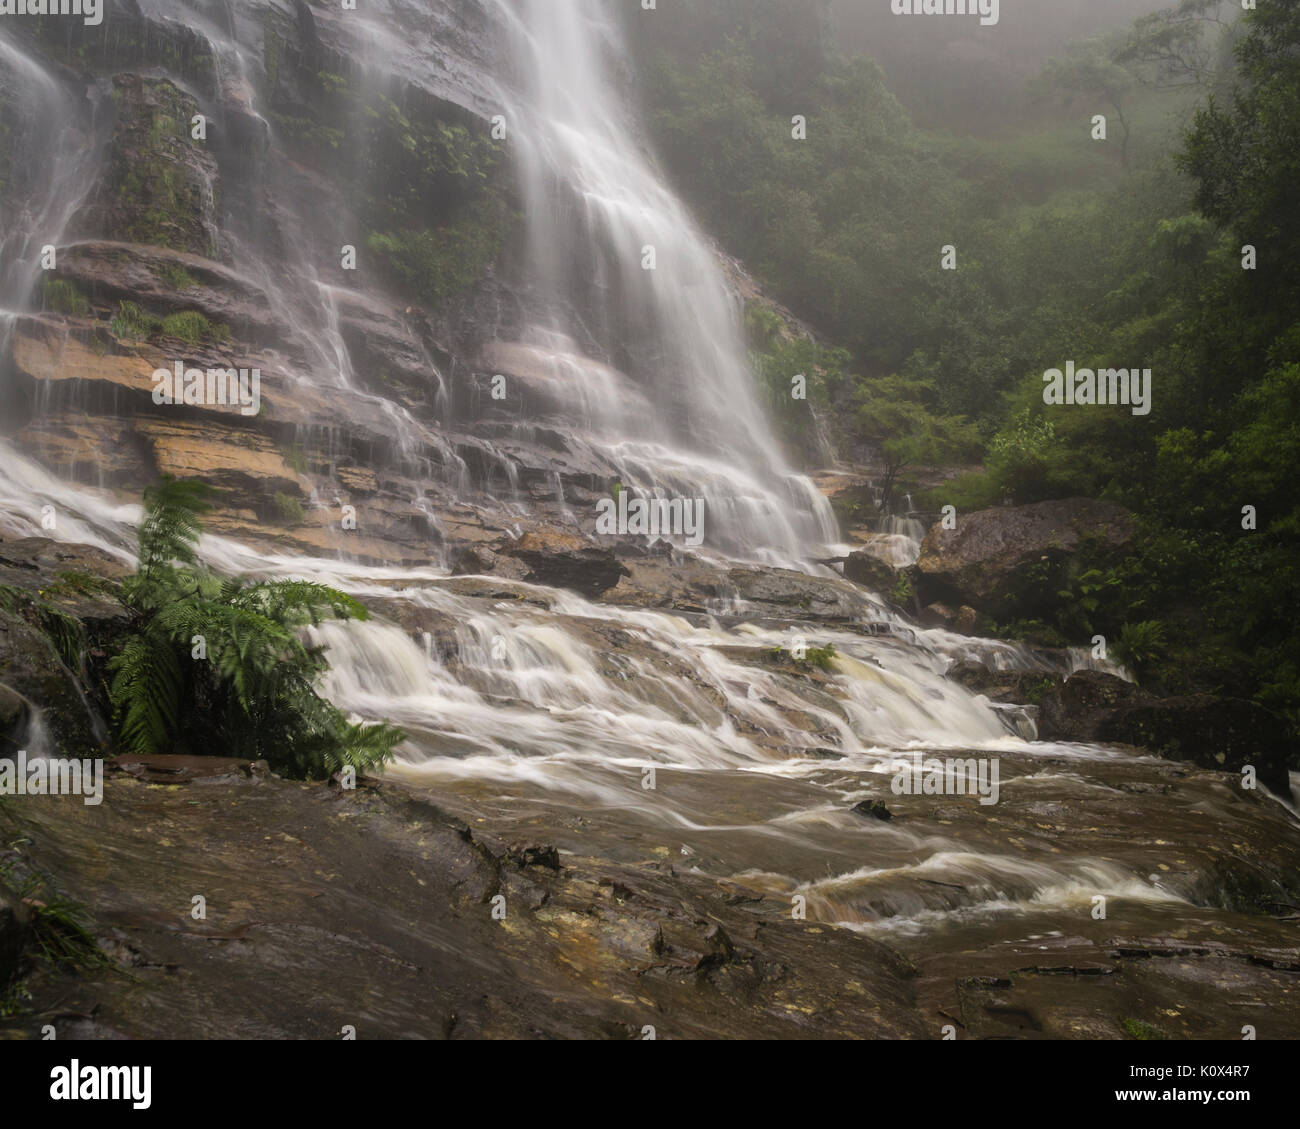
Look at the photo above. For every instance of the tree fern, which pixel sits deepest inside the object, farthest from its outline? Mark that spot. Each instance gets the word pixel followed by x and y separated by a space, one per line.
pixel 251 690
pixel 146 693
pixel 170 530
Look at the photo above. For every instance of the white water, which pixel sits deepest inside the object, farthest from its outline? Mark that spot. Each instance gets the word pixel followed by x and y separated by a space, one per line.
pixel 544 703
pixel 595 204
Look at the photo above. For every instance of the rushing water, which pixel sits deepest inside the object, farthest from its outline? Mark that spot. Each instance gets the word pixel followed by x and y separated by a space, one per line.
pixel 609 239
pixel 543 710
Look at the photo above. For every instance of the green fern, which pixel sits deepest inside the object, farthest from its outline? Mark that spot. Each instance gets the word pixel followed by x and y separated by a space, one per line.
pixel 170 530
pixel 250 689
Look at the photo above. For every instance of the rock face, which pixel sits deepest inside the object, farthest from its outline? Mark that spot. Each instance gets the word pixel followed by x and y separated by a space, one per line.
pixel 160 188
pixel 983 561
pixel 1018 686
pixel 1213 733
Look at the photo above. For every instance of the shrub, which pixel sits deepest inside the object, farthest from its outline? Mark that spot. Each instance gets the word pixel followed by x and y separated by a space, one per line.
pixel 252 693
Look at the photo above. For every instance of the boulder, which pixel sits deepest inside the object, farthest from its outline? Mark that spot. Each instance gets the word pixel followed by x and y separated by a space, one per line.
pixel 30 666
pixel 1210 732
pixel 15 928
pixel 1020 687
pixel 981 562
pixel 866 568
pixel 783 591
pixel 873 809
pixel 562 561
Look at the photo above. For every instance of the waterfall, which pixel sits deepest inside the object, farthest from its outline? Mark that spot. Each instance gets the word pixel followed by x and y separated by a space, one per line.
pixel 528 701
pixel 614 255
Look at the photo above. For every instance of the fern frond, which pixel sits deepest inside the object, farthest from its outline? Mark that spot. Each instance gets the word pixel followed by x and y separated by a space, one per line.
pixel 170 530
pixel 146 693
pixel 299 602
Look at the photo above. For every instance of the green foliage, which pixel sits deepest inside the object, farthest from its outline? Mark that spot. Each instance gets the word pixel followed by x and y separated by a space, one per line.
pixel 1094 73
pixel 1081 600
pixel 901 594
pixel 60 934
pixel 288 508
pixel 295 458
pixel 253 695
pixel 821 657
pixel 777 356
pixel 63 297
pixel 436 263
pixel 901 414
pixel 1140 1029
pixel 193 327
pixel 131 323
pixel 177 277
pixel 1141 646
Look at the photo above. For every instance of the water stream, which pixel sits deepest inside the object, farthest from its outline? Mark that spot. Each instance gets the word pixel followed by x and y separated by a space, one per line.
pixel 536 709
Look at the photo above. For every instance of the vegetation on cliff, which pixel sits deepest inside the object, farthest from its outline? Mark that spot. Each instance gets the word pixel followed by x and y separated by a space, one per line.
pixel 1063 251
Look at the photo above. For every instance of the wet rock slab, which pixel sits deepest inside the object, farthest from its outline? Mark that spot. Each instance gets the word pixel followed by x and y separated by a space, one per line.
pixel 371 908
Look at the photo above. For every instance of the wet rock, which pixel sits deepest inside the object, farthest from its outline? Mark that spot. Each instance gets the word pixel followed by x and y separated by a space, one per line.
pixel 15 711
pixel 1211 732
pixel 936 615
pixel 561 561
pixel 381 875
pixel 165 280
pixel 865 568
pixel 980 562
pixel 31 667
pixel 15 929
pixel 161 189
pixel 168 768
pixel 873 809
pixel 969 621
pixel 784 591
pixel 547 856
pixel 223 457
pixel 1015 686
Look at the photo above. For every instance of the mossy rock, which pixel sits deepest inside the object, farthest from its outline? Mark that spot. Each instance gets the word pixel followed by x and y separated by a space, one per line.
pixel 162 187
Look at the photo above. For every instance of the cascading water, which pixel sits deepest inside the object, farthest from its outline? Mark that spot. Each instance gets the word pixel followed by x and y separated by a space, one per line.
pixel 541 709
pixel 614 254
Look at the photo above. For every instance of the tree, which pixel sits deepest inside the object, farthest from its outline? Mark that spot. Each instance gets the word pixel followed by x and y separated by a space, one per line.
pixel 897 412
pixel 1092 70
pixel 221 664
pixel 1173 48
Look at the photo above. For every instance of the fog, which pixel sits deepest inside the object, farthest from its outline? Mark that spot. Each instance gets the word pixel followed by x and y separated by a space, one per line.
pixel 950 72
